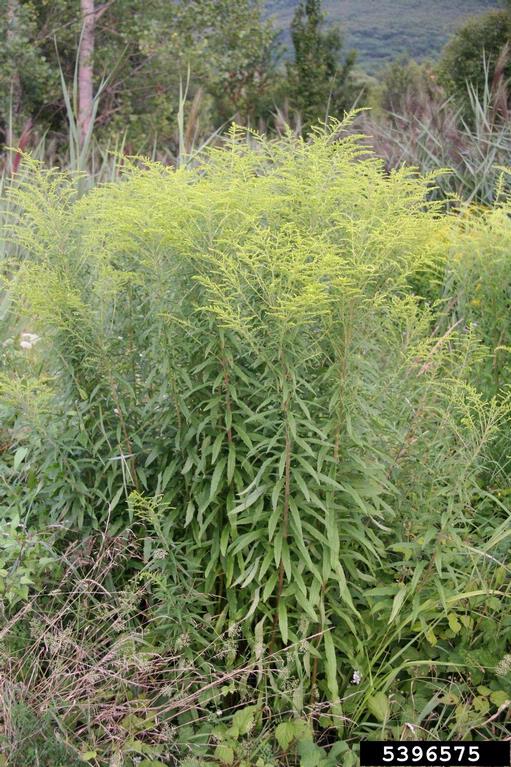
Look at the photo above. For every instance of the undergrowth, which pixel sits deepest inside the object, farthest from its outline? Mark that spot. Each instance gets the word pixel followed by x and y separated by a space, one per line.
pixel 254 413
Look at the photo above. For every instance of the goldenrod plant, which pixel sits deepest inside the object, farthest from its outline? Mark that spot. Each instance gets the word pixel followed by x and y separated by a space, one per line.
pixel 267 369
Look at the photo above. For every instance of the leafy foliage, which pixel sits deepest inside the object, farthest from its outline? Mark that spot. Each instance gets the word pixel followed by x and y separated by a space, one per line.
pixel 33 746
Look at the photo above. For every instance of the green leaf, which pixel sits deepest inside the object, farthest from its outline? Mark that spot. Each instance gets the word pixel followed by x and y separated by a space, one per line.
pixel 153 455
pixel 296 522
pixel 324 478
pixel 19 457
pixel 224 753
pixel 454 623
pixel 397 603
pixel 500 698
pixel 273 521
pixel 249 500
pixel 297 477
pixel 481 704
pixel 259 638
pixel 277 548
pixel 243 720
pixel 286 560
pixel 379 706
pixel 269 586
pixel 217 446
pixel 253 606
pixel 231 462
pixel 244 436
pixel 333 539
pixel 310 754
pixel 305 605
pixel 188 465
pixel 275 493
pixel 343 587
pixel 285 734
pixel 217 476
pixel 242 541
pixel 298 698
pixel 224 540
pixel 282 613
pixel 190 510
pixel 331 665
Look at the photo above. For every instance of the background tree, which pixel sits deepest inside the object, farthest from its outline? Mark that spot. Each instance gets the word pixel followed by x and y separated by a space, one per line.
pixel 404 83
pixel 321 82
pixel 86 68
pixel 482 39
pixel 243 49
pixel 25 74
pixel 147 51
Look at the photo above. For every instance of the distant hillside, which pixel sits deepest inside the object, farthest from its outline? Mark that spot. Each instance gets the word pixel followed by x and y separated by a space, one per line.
pixel 381 29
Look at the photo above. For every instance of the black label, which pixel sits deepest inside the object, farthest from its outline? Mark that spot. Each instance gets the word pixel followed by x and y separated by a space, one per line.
pixel 431 753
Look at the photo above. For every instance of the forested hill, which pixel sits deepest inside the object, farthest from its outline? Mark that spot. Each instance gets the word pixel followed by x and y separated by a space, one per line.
pixel 381 29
